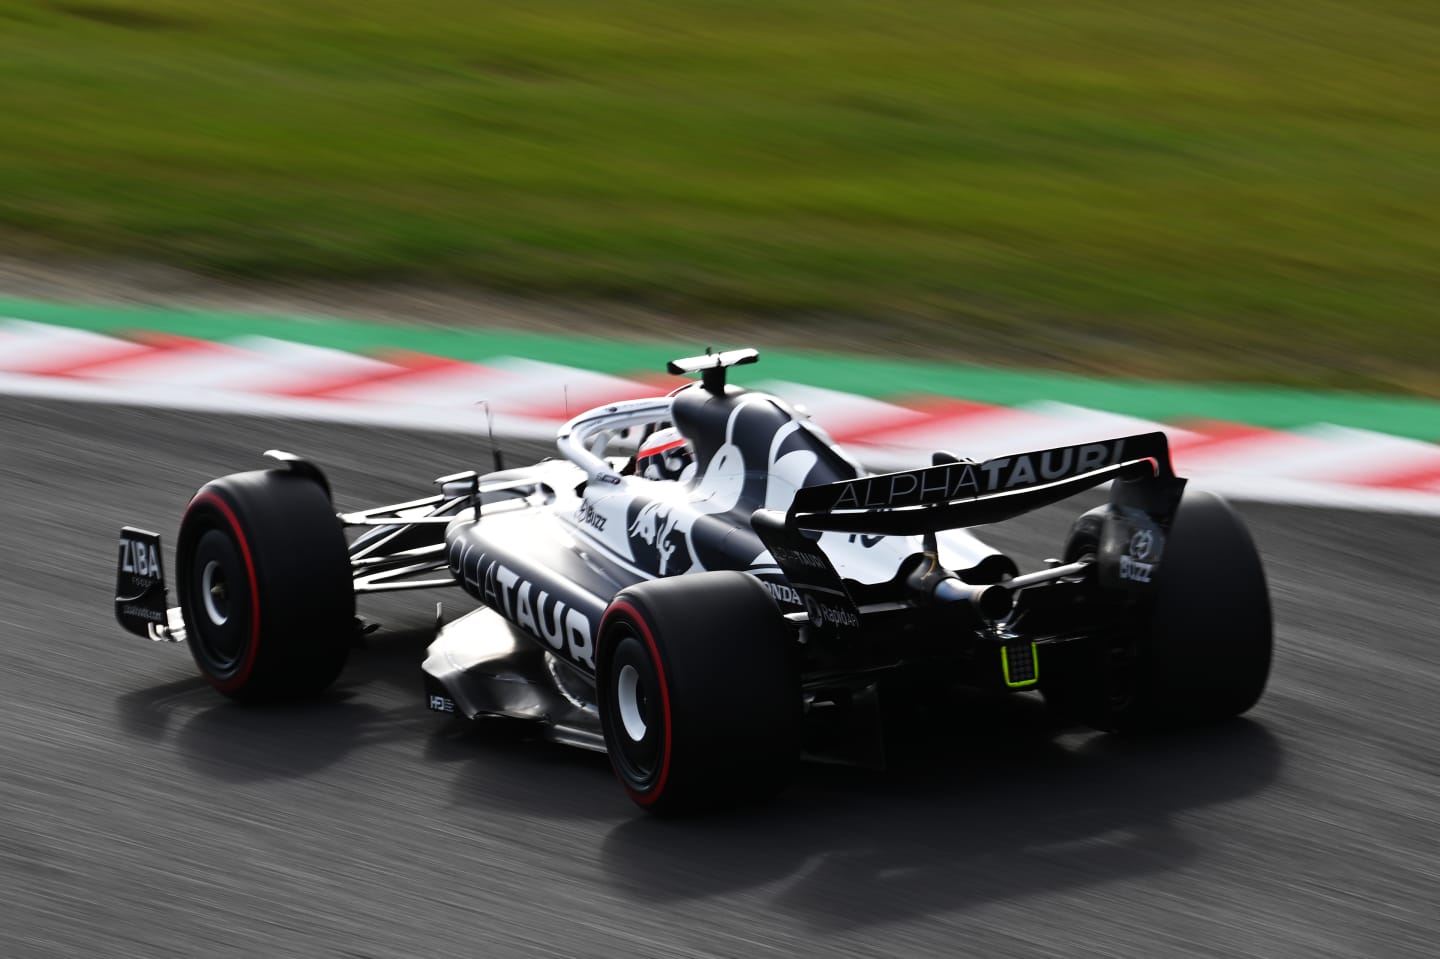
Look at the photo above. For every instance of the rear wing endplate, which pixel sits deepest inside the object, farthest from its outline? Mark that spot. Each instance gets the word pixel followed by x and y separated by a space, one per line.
pixel 827 602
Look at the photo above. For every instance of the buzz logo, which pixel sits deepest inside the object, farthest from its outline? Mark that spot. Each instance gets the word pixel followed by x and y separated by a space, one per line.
pixel 586 516
pixel 1135 571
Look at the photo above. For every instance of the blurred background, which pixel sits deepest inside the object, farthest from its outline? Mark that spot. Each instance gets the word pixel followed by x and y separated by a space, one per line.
pixel 1202 191
pixel 1226 191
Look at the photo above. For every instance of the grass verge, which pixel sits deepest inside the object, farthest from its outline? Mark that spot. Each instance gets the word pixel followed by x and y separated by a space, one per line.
pixel 1232 190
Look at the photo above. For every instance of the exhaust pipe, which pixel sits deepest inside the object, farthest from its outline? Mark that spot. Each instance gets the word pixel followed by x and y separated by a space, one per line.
pixel 994 601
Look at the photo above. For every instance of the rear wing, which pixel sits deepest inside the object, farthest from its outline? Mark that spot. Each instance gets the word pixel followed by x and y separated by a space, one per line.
pixel 963 493
pixel 967 493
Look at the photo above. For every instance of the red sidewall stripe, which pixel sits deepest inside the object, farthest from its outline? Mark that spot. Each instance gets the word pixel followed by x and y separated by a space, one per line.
pixel 634 616
pixel 253 648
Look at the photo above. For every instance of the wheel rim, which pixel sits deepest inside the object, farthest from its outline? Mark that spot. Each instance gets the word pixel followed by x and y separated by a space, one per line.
pixel 216 592
pixel 215 609
pixel 630 698
pixel 635 732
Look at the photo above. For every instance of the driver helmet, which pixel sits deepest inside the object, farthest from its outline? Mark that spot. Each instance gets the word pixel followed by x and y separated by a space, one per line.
pixel 665 455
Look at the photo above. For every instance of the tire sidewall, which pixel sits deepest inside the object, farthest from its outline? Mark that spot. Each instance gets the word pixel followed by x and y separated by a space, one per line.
pixel 210 516
pixel 226 649
pixel 729 692
pixel 630 640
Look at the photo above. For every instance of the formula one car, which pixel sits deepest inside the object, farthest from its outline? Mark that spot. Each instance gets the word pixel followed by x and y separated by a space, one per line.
pixel 705 587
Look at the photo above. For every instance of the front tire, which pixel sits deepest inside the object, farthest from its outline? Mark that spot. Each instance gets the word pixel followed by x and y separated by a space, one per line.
pixel 265 585
pixel 698 694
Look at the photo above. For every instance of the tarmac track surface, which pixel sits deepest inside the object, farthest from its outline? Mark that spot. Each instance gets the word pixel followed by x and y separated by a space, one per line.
pixel 143 815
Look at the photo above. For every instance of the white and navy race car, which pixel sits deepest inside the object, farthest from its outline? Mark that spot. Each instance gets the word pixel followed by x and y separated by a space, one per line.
pixel 706 588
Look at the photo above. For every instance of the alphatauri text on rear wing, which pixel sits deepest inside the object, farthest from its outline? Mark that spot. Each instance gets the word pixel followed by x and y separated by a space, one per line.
pixel 962 493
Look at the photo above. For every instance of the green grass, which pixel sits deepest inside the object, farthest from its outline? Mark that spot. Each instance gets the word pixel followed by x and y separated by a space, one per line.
pixel 1246 189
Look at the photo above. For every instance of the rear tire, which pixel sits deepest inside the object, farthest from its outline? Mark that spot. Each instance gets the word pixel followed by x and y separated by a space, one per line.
pixel 1200 650
pixel 265 585
pixel 698 694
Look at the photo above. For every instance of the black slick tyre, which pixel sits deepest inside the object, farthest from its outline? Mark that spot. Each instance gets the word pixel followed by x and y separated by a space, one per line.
pixel 265 586
pixel 698 693
pixel 1199 650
